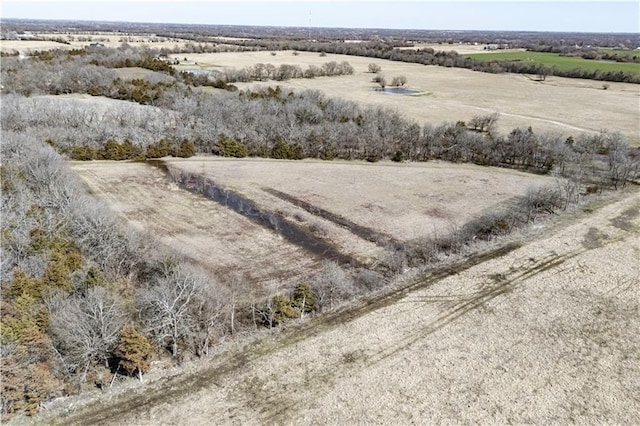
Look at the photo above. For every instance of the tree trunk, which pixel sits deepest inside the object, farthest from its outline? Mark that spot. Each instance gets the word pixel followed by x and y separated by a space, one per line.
pixel 233 315
pixel 175 340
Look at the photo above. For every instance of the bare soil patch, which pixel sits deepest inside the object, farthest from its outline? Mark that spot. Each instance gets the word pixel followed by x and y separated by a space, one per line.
pixel 563 105
pixel 544 332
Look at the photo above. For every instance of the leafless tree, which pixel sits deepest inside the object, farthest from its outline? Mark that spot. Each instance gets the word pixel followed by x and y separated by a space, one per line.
pixel 86 327
pixel 398 81
pixel 484 123
pixel 331 285
pixel 374 68
pixel 182 305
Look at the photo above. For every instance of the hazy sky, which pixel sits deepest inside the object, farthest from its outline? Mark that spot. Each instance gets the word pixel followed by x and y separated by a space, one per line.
pixel 579 16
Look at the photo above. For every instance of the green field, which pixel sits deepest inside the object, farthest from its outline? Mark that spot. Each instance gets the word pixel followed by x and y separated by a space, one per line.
pixel 620 52
pixel 560 62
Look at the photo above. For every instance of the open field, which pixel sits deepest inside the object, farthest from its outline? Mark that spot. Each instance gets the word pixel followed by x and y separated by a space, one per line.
pixel 461 48
pixel 567 106
pixel 203 231
pixel 368 205
pixel 131 73
pixel 539 332
pixel 620 52
pixel 561 62
pixel 25 47
pixel 403 201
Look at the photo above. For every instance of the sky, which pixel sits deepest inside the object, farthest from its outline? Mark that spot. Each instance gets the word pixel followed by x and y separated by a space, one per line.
pixel 513 15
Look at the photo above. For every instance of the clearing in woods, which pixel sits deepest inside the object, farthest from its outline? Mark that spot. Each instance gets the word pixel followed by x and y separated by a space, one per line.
pixel 538 332
pixel 357 207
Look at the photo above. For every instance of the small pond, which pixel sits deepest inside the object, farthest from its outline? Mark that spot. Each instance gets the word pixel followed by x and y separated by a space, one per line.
pixel 202 72
pixel 397 91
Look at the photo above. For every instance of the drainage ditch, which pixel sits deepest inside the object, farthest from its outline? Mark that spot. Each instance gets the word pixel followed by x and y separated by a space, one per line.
pixel 292 232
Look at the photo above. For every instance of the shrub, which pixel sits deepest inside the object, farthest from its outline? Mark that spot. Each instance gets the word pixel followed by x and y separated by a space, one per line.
pixel 303 298
pixel 283 310
pixel 83 153
pixel 134 351
pixel 399 81
pixel 185 150
pixel 230 147
pixel 319 229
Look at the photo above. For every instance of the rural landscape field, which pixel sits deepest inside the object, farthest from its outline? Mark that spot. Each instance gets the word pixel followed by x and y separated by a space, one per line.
pixel 558 104
pixel 544 332
pixel 237 224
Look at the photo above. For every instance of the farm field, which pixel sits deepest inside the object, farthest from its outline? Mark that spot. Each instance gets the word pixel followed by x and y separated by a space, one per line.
pixel 461 48
pixel 25 47
pixel 403 201
pixel 620 52
pixel 538 332
pixel 371 204
pixel 561 62
pixel 566 106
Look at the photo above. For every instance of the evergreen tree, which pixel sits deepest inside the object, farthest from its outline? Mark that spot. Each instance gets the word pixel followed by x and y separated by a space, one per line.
pixel 134 351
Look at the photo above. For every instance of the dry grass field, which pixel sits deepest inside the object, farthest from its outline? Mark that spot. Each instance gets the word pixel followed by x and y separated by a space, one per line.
pixel 401 200
pixel 203 231
pixel 567 106
pixel 25 47
pixel 388 201
pixel 543 331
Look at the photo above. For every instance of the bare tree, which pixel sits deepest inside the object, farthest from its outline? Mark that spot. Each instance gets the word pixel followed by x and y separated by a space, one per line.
pixel 182 305
pixel 484 123
pixel 86 328
pixel 622 167
pixel 398 81
pixel 331 285
pixel 374 68
pixel 381 81
pixel 165 306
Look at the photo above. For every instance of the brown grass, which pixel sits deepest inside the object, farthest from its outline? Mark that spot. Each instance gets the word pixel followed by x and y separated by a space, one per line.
pixel 567 106
pixel 393 199
pixel 201 230
pixel 107 38
pixel 545 333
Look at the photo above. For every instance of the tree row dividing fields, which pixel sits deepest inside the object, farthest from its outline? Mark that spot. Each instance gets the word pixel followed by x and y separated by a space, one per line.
pixel 565 63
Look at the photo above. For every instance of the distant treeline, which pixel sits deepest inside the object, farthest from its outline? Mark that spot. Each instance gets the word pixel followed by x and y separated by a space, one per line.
pixel 450 58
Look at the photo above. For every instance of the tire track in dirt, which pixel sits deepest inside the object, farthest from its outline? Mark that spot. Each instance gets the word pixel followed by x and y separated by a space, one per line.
pixel 170 389
pixel 531 117
pixel 267 405
pixel 276 408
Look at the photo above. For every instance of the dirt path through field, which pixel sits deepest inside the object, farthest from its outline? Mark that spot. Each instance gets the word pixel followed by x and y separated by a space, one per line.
pixel 540 333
